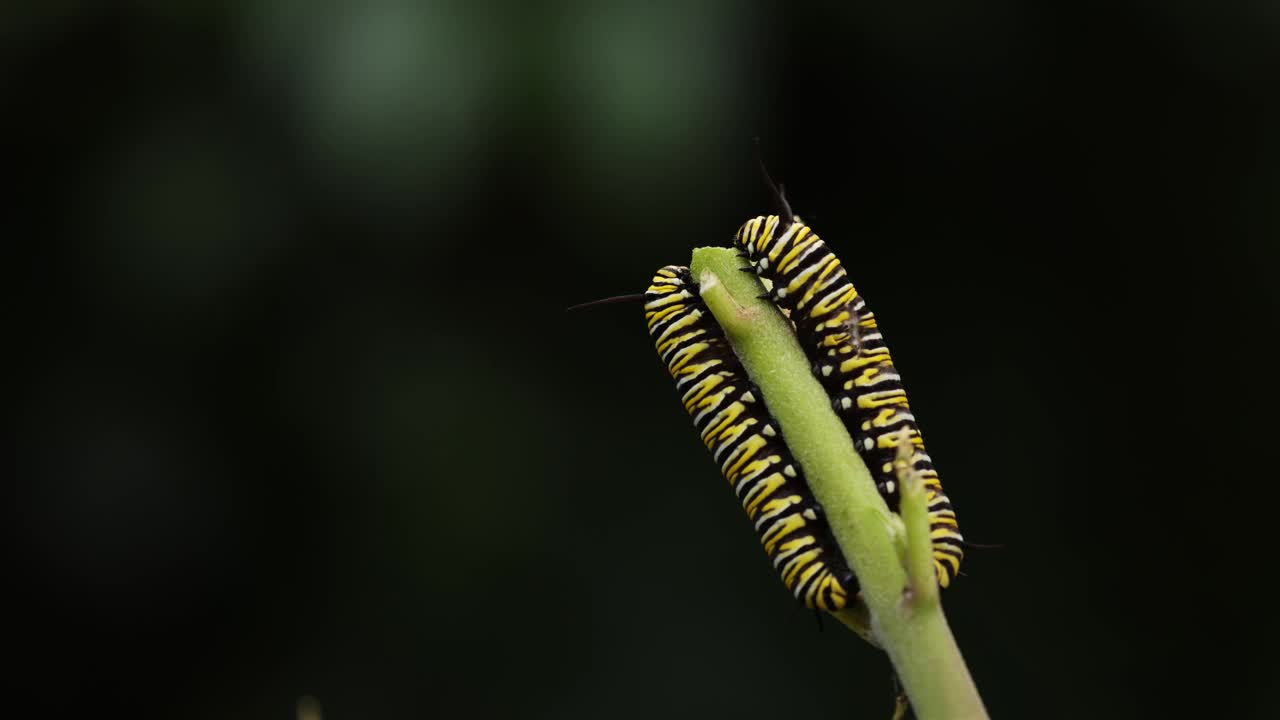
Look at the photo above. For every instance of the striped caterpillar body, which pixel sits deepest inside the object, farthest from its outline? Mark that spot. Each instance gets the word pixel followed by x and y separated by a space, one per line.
pixel 842 340
pixel 746 443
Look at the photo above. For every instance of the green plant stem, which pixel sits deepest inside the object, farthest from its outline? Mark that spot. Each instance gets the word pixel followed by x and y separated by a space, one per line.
pixel 915 636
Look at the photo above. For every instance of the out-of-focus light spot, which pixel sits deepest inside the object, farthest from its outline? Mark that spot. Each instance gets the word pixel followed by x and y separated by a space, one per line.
pixel 649 80
pixel 309 708
pixel 393 98
pixel 656 103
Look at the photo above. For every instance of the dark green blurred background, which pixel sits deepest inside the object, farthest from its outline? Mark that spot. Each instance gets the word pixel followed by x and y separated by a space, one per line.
pixel 300 411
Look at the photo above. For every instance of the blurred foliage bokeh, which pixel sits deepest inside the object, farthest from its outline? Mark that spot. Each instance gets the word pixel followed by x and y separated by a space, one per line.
pixel 300 412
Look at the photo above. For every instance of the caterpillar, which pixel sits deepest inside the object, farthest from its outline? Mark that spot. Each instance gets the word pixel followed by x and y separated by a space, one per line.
pixel 842 339
pixel 745 441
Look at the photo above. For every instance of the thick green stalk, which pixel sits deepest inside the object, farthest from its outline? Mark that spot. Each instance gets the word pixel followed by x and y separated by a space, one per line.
pixel 915 636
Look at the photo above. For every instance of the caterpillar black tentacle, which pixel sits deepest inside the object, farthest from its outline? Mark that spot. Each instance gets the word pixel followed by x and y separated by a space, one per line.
pixel 746 442
pixel 843 341
pixel 778 192
pixel 606 301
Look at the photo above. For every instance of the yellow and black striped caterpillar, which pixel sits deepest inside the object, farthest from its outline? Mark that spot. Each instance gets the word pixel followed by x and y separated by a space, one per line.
pixel 730 414
pixel 842 340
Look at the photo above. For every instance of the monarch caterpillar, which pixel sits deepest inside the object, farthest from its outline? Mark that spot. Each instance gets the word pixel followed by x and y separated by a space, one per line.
pixel 843 341
pixel 730 415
